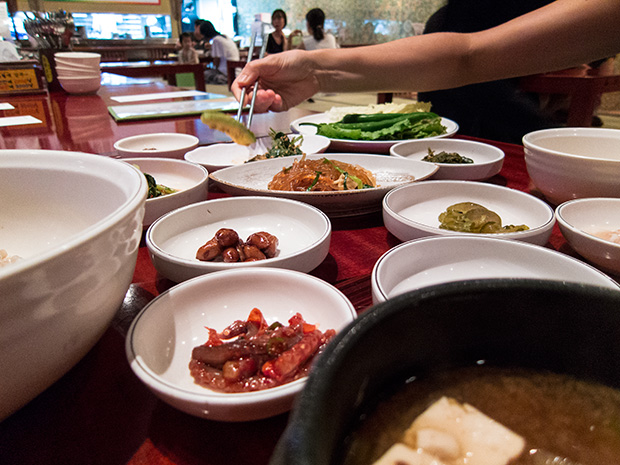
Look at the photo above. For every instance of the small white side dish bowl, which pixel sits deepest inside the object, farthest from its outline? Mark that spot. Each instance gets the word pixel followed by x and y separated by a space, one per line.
pixel 581 219
pixel 162 336
pixel 189 179
pixel 412 211
pixel 443 259
pixel 218 156
pixel 75 219
pixel 487 159
pixel 573 163
pixel 303 233
pixel 80 85
pixel 165 145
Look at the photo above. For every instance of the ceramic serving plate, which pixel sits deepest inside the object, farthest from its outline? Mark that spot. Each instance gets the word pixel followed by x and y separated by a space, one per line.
pixel 369 146
pixel 487 159
pixel 303 234
pixel 217 156
pixel 162 336
pixel 584 221
pixel 188 179
pixel 439 260
pixel 390 172
pixel 412 212
pixel 166 145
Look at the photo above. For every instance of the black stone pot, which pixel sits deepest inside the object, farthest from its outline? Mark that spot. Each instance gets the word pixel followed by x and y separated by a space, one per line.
pixel 564 328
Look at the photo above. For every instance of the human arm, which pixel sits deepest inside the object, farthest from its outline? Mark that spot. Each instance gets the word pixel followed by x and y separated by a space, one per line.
pixel 562 34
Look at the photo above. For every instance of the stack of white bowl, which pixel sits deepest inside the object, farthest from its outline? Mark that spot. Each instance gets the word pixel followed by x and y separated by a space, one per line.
pixel 78 72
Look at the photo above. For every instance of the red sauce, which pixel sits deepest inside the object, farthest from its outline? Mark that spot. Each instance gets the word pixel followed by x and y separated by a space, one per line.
pixel 251 356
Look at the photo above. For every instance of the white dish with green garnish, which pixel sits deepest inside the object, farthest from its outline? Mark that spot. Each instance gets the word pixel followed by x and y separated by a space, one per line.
pixel 457 159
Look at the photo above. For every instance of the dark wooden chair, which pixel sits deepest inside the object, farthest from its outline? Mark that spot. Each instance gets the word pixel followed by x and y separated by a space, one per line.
pixel 231 70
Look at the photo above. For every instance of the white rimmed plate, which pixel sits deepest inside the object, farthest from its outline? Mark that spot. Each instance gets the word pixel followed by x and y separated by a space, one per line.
pixel 411 212
pixel 217 156
pixel 369 146
pixel 303 234
pixel 165 145
pixel 161 337
pixel 190 181
pixel 253 178
pixel 581 219
pixel 442 259
pixel 487 159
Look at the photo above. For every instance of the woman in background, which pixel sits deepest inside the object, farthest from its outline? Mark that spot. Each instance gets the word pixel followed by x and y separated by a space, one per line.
pixel 560 35
pixel 318 39
pixel 276 41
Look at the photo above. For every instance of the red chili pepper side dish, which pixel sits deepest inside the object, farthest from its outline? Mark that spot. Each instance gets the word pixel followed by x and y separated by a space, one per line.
pixel 251 355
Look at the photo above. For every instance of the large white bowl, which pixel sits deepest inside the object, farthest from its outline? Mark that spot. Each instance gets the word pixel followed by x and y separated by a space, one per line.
pixel 189 179
pixel 164 145
pixel 80 85
pixel 581 219
pixel 303 233
pixel 218 156
pixel 573 163
pixel 76 221
pixel 162 336
pixel 443 259
pixel 487 159
pixel 412 211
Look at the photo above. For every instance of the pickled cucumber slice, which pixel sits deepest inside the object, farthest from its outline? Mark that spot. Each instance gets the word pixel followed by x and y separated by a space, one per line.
pixel 227 124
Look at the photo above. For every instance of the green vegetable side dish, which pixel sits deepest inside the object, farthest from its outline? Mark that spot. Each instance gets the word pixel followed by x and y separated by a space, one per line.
pixel 157 190
pixel 473 218
pixel 446 157
pixel 383 126
pixel 282 146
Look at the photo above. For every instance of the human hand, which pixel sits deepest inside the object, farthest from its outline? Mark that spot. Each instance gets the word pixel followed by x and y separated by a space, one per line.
pixel 284 80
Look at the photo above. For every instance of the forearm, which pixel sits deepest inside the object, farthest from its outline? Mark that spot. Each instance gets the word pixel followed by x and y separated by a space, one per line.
pixel 565 33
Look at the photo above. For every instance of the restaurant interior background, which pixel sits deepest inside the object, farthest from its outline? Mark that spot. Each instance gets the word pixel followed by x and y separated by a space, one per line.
pixel 353 22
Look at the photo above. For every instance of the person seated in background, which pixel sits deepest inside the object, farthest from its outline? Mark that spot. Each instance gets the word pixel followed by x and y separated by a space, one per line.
pixel 276 41
pixel 187 53
pixel 223 49
pixel 560 35
pixel 318 38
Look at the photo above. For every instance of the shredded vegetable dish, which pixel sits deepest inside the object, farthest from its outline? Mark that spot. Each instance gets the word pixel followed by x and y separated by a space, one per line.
pixel 252 355
pixel 322 175
pixel 282 146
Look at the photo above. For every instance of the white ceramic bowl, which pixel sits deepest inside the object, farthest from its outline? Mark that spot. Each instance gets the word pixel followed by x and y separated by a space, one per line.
pixel 84 59
pixel 442 259
pixel 162 336
pixel 572 163
pixel 581 219
pixel 303 233
pixel 487 159
pixel 76 221
pixel 189 179
pixel 218 156
pixel 63 72
pixel 165 145
pixel 80 85
pixel 412 211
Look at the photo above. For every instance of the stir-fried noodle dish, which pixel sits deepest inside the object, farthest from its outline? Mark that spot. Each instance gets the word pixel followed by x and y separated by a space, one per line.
pixel 322 175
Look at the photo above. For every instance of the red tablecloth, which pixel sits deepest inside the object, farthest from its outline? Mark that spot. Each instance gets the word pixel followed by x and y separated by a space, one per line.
pixel 100 413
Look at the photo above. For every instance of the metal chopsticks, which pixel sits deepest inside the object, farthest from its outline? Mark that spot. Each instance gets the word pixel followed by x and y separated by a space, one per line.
pixel 261 55
pixel 243 91
pixel 250 53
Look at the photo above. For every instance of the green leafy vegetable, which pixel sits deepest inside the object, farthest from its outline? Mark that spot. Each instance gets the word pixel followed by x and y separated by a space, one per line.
pixel 157 190
pixel 282 146
pixel 446 157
